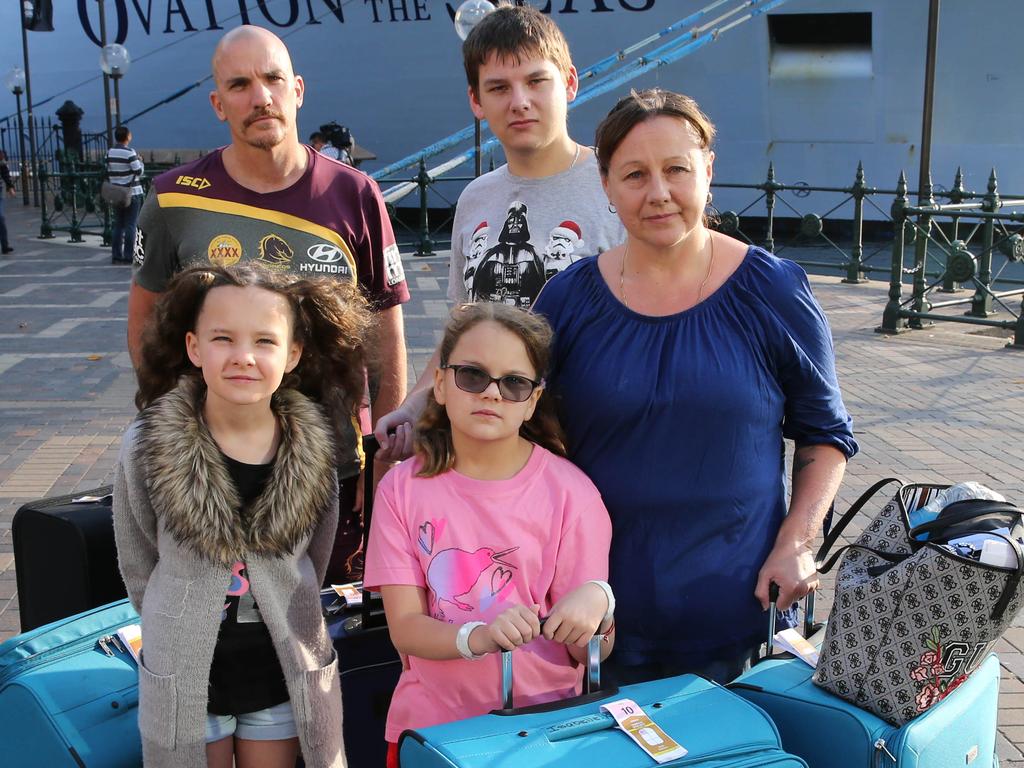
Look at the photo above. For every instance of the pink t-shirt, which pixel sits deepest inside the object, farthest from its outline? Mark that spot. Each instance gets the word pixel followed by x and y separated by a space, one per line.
pixel 479 547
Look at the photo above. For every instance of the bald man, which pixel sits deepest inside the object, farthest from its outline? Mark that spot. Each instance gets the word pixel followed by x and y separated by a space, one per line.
pixel 269 199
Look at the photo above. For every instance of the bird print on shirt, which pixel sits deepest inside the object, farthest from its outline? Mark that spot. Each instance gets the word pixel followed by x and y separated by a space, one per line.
pixel 453 574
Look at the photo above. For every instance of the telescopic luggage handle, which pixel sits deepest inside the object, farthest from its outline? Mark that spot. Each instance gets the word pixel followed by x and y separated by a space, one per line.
pixel 773 597
pixel 591 681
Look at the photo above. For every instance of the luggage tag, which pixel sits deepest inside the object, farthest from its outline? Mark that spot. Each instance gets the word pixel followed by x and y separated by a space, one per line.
pixel 792 641
pixel 351 594
pixel 643 731
pixel 93 499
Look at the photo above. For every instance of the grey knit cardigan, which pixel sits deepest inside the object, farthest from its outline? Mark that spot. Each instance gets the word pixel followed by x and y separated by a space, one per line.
pixel 178 528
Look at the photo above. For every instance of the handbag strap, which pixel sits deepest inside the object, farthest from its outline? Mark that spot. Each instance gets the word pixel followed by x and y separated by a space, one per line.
pixel 892 557
pixel 840 526
pixel 962 511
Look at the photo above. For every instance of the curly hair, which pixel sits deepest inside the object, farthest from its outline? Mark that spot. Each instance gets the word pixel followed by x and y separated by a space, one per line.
pixel 331 321
pixel 433 437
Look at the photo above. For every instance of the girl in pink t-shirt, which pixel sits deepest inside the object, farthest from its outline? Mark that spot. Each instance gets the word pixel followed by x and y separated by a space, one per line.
pixel 485 530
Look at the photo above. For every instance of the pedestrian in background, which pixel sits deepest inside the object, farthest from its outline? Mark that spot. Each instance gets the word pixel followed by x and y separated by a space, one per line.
pixel 5 175
pixel 124 168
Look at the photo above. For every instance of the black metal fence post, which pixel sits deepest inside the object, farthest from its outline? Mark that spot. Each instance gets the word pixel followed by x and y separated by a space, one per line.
pixel 769 201
pixel 924 232
pixel 854 273
pixel 891 322
pixel 981 304
pixel 423 182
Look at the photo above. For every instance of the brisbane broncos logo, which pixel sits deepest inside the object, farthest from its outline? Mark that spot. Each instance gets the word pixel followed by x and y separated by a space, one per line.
pixel 275 253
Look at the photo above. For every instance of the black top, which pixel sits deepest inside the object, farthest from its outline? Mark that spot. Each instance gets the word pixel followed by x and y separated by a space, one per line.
pixel 246 675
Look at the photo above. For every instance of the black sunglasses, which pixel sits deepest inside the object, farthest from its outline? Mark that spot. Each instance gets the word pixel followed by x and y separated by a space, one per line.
pixel 475 380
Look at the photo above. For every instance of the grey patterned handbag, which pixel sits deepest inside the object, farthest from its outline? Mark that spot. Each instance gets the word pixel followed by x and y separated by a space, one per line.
pixel 912 619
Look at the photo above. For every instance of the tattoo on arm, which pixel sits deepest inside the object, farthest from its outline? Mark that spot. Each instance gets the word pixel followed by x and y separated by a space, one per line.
pixel 801 460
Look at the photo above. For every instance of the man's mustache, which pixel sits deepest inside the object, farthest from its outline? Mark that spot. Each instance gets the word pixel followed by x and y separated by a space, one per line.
pixel 262 114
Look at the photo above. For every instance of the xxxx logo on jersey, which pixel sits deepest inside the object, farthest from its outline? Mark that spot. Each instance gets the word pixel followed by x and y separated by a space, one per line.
pixel 224 250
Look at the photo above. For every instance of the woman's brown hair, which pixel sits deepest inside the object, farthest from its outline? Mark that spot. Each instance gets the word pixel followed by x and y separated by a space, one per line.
pixel 641 106
pixel 433 441
pixel 330 320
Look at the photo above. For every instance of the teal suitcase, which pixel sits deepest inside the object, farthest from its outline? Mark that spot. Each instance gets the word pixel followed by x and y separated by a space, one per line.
pixel 717 727
pixel 68 700
pixel 830 732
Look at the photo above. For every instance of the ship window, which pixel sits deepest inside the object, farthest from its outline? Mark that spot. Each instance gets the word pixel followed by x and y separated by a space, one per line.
pixel 815 46
pixel 818 29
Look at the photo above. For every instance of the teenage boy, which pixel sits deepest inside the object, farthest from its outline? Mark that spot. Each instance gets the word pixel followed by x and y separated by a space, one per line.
pixel 521 223
pixel 521 80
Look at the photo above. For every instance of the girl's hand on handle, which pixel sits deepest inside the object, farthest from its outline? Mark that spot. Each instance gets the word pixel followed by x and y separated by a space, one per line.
pixel 577 616
pixel 515 626
pixel 394 430
pixel 791 566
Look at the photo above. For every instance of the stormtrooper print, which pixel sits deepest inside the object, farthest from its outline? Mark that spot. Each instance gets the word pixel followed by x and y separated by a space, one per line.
pixel 512 271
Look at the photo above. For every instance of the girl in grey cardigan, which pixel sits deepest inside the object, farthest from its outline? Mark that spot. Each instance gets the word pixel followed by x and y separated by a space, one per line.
pixel 225 507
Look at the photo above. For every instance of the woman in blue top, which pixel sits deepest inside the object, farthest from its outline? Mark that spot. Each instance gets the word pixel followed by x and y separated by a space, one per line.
pixel 682 360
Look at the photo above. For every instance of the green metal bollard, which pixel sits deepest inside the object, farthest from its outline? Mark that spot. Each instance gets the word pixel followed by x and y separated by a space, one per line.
pixel 981 302
pixel 854 270
pixel 891 322
pixel 423 181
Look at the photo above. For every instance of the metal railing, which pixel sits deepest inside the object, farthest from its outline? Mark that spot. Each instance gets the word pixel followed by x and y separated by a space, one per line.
pixel 967 240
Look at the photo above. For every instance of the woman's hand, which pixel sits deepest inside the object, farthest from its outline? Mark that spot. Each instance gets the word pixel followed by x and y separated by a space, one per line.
pixel 513 627
pixel 791 566
pixel 394 430
pixel 577 616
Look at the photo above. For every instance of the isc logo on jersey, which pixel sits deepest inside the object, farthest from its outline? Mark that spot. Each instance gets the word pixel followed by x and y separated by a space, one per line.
pixel 327 259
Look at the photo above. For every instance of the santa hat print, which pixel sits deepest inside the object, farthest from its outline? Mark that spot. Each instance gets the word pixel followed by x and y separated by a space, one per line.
pixel 571 231
pixel 481 225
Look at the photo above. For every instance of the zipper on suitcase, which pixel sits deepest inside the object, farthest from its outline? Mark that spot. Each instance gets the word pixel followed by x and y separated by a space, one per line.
pixel 880 747
pixel 51 655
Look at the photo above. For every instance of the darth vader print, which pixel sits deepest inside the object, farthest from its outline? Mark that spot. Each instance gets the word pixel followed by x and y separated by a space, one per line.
pixel 510 272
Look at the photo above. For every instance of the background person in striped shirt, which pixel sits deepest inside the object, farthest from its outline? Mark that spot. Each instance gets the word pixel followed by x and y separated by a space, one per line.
pixel 125 168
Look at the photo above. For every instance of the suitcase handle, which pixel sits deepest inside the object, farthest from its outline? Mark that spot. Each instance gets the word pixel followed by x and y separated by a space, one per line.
pixel 591 681
pixel 773 597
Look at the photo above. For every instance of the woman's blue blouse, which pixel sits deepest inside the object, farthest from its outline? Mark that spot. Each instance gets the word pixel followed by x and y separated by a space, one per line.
pixel 680 421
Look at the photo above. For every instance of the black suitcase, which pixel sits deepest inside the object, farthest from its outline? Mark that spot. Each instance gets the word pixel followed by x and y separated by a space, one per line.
pixel 368 663
pixel 64 556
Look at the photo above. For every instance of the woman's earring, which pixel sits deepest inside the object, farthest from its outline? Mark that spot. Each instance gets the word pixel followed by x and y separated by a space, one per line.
pixel 611 208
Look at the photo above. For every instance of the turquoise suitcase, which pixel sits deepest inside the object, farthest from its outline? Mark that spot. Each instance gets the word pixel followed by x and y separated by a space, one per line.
pixel 830 732
pixel 717 727
pixel 68 700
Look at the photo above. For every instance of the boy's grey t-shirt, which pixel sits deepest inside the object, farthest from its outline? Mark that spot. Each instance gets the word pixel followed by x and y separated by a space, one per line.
pixel 511 234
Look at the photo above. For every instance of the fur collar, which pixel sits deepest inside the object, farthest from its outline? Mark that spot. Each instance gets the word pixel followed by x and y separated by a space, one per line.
pixel 192 492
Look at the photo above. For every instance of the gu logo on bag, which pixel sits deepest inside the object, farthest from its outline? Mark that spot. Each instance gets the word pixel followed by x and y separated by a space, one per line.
pixel 941 669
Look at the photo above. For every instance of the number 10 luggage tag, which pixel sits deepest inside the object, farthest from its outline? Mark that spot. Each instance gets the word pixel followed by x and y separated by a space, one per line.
pixel 641 729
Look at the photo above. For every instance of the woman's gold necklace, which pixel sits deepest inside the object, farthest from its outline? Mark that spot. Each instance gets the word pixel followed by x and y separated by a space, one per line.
pixel 700 289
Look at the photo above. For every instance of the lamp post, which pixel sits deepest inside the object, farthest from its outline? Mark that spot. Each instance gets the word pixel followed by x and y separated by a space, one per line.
pixel 28 11
pixel 115 62
pixel 16 84
pixel 468 15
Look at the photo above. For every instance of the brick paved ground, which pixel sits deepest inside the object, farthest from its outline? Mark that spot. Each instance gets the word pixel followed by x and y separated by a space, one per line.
pixel 940 405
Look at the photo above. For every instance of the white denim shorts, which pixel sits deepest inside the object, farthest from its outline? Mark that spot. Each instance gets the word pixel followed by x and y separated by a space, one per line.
pixel 272 723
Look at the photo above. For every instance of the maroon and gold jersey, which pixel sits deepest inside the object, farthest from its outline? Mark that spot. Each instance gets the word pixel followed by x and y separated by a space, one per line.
pixel 331 222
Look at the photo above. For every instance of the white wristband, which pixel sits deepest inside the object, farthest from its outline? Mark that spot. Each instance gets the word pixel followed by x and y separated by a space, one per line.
pixel 462 640
pixel 607 593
